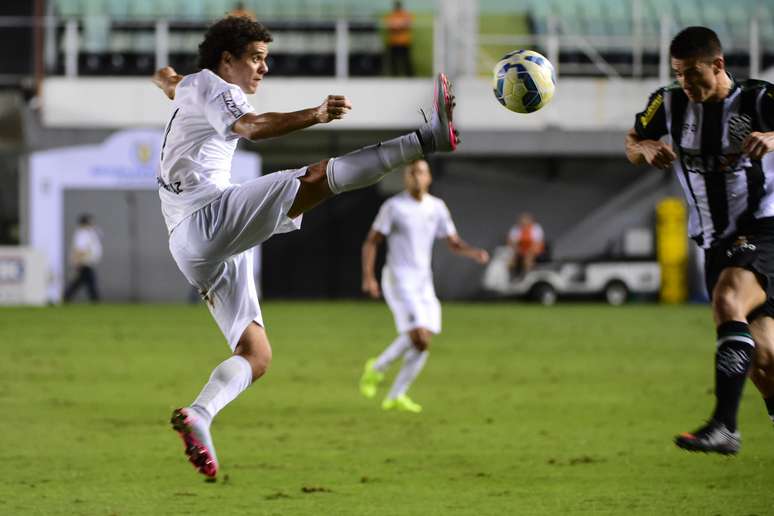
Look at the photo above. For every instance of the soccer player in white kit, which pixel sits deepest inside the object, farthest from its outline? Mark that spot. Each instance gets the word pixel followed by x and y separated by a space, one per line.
pixel 410 222
pixel 214 224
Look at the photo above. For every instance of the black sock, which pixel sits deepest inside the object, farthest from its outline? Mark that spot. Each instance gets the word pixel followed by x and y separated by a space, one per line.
pixel 732 360
pixel 425 145
pixel 770 407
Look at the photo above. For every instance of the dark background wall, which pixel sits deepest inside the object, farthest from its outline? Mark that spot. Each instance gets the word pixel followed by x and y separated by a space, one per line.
pixel 484 195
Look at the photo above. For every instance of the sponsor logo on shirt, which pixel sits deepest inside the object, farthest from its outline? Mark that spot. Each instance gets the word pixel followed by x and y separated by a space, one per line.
pixel 228 100
pixel 650 112
pixel 720 163
pixel 170 187
pixel 739 128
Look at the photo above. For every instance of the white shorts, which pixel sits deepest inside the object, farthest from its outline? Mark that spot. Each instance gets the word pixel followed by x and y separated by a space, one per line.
pixel 411 297
pixel 213 247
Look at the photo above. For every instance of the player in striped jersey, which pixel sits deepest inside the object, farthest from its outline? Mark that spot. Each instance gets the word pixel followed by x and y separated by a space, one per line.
pixel 718 141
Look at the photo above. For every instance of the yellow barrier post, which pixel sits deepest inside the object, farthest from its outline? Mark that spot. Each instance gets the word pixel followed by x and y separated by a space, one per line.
pixel 672 249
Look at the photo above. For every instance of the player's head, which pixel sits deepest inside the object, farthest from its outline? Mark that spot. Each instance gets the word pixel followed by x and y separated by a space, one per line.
pixel 697 60
pixel 85 219
pixel 236 49
pixel 417 177
pixel 526 218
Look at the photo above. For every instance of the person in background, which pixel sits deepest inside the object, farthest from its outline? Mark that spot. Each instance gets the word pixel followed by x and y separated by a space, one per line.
pixel 409 222
pixel 240 11
pixel 399 36
pixel 85 255
pixel 527 241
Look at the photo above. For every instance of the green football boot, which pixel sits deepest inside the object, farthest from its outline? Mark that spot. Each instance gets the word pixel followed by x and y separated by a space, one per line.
pixel 402 403
pixel 371 379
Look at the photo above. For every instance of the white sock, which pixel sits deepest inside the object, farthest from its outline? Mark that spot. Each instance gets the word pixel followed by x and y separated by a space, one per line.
pixel 368 165
pixel 227 381
pixel 413 362
pixel 393 352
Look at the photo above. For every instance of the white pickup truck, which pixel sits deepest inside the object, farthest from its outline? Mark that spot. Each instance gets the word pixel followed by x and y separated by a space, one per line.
pixel 614 281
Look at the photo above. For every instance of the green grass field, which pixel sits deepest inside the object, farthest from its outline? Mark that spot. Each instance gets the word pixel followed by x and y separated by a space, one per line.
pixel 528 410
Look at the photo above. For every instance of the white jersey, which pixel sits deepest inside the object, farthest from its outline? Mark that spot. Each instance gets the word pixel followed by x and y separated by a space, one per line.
pixel 87 244
pixel 411 226
pixel 199 144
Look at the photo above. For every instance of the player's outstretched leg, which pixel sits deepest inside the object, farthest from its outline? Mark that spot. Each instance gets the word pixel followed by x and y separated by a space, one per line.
pixel 194 429
pixel 368 165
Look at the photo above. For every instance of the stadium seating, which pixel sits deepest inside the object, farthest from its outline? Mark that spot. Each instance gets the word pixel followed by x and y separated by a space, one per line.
pixel 116 34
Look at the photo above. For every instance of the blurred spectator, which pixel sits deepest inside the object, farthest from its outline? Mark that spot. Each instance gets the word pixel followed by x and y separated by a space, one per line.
pixel 85 255
pixel 398 24
pixel 240 11
pixel 527 241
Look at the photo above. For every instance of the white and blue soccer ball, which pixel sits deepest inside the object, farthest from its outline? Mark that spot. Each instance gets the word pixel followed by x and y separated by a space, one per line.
pixel 524 81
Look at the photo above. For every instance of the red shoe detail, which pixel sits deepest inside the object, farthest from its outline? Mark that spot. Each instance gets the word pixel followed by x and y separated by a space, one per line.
pixel 197 453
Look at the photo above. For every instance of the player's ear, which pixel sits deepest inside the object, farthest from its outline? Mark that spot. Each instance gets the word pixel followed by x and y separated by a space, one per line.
pixel 226 58
pixel 719 64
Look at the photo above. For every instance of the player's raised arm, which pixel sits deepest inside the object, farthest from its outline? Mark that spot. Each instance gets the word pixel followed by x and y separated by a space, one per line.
pixel 167 80
pixel 462 248
pixel 269 125
pixel 655 153
pixel 370 247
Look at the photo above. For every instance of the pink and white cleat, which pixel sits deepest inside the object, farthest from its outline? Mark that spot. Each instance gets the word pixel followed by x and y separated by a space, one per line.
pixel 195 433
pixel 439 133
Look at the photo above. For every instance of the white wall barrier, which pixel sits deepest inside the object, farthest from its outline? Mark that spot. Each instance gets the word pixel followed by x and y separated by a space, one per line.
pixel 22 276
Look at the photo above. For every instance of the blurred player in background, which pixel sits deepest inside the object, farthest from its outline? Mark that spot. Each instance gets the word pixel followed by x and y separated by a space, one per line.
pixel 214 225
pixel 719 130
pixel 410 221
pixel 527 241
pixel 85 255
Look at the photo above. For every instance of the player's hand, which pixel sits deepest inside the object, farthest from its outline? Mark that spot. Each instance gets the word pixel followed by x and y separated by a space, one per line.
pixel 756 145
pixel 167 78
pixel 481 256
pixel 335 107
pixel 371 287
pixel 657 153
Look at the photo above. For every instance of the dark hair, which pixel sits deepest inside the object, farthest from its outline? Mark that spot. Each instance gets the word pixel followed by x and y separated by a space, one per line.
pixel 231 35
pixel 84 219
pixel 696 43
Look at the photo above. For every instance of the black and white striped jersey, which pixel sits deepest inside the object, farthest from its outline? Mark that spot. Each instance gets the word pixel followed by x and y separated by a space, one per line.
pixel 727 192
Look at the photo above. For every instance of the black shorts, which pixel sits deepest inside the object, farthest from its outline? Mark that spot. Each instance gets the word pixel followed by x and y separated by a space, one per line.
pixel 754 252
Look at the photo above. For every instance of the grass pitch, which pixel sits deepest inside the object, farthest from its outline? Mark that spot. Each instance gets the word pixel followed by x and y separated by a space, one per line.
pixel 528 410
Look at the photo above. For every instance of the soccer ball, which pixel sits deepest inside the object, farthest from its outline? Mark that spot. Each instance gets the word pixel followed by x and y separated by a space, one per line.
pixel 524 81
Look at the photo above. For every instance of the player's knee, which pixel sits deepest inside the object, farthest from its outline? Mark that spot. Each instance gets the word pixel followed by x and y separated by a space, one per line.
pixel 316 173
pixel 420 339
pixel 763 359
pixel 259 362
pixel 725 304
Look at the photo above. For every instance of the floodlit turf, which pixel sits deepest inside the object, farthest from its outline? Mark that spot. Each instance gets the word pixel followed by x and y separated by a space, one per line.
pixel 528 410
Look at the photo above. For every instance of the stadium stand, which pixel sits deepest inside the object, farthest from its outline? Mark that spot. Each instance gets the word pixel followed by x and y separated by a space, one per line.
pixel 119 38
